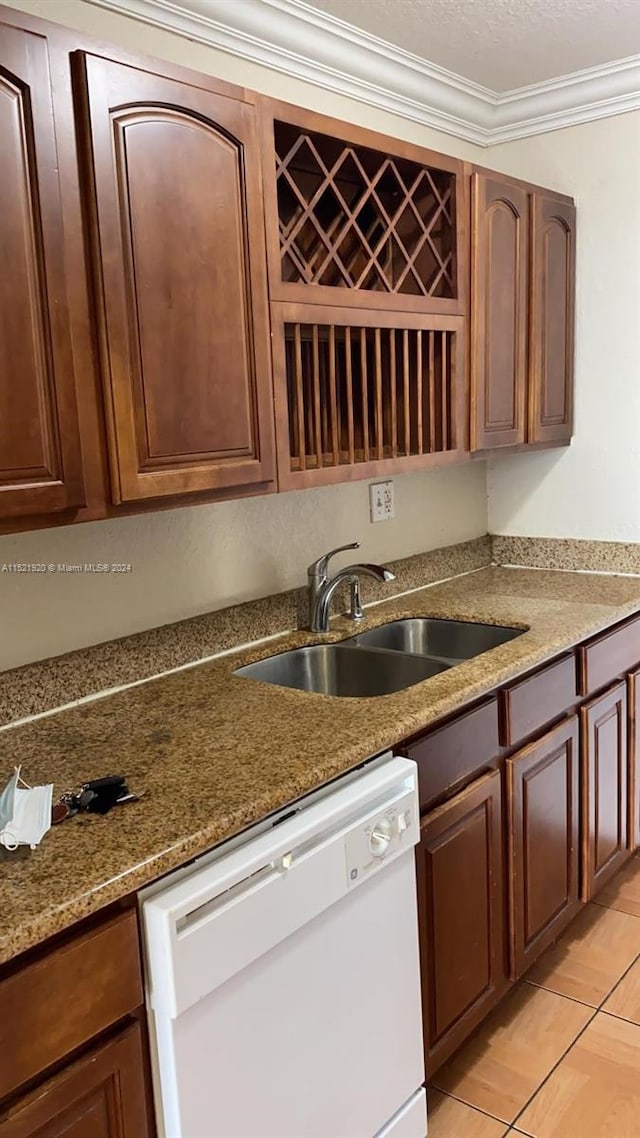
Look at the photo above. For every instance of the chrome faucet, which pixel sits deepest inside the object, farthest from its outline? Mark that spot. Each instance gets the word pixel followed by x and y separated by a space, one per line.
pixel 322 587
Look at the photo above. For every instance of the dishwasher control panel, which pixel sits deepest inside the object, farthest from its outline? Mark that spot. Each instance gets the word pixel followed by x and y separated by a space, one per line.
pixel 371 843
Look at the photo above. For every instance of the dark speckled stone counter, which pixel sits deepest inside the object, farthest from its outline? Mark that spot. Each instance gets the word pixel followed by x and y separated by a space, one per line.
pixel 215 752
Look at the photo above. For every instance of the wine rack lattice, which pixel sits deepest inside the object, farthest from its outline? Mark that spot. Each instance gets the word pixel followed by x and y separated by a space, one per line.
pixel 353 217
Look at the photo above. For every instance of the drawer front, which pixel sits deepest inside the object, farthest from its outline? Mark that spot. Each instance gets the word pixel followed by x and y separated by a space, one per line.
pixel 57 1003
pixel 609 656
pixel 454 752
pixel 537 700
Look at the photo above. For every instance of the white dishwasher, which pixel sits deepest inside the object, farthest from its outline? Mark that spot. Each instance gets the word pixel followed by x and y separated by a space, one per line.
pixel 283 982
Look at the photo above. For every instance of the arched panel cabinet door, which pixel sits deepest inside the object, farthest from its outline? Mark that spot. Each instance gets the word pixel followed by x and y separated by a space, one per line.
pixel 552 318
pixel 181 283
pixel 40 456
pixel 499 269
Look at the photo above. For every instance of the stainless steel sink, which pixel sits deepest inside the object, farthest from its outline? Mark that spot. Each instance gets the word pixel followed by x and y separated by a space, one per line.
pixel 338 669
pixel 450 641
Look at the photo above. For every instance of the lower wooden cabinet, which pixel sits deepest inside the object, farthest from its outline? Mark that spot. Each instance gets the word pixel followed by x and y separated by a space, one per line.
pixel 605 777
pixel 102 1095
pixel 634 758
pixel 543 807
pixel 461 909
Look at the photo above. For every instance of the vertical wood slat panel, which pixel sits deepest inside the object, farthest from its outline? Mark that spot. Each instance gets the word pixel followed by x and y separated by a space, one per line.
pixel 365 393
pixel 297 342
pixel 405 387
pixel 349 383
pixel 419 391
pixel 315 371
pixel 378 406
pixel 393 384
pixel 333 396
pixel 433 436
pixel 445 399
pixel 394 393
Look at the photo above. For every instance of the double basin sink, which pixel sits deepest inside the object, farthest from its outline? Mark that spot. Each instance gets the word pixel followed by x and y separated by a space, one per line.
pixel 382 660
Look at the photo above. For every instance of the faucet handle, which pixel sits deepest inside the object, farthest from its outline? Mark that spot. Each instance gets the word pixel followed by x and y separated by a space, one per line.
pixel 320 567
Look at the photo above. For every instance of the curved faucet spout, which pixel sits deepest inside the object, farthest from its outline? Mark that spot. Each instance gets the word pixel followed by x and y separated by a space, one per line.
pixel 321 599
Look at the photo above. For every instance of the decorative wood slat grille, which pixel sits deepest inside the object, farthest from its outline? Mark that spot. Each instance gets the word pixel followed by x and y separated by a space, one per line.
pixel 353 217
pixel 357 394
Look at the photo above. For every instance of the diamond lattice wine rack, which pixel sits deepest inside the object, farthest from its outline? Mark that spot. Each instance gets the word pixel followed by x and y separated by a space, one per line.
pixel 354 218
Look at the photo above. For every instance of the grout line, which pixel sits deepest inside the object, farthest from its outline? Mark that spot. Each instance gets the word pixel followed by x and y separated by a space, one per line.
pixel 449 1094
pixel 554 992
pixel 596 1011
pixel 558 1062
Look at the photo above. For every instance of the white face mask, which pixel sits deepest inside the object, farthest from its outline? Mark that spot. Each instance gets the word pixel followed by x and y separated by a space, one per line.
pixel 7 799
pixel 31 815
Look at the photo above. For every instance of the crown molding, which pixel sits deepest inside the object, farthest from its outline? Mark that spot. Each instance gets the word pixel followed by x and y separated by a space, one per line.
pixel 293 38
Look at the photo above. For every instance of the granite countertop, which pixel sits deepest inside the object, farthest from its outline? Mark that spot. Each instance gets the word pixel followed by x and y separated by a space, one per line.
pixel 214 752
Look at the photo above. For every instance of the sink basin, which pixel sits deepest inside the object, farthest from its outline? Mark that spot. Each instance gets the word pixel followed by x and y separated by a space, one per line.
pixel 451 641
pixel 336 669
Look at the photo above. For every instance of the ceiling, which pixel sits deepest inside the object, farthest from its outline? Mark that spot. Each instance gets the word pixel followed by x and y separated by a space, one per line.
pixel 501 44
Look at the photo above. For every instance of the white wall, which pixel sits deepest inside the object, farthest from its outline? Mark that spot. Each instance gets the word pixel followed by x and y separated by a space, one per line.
pixel 591 490
pixel 193 560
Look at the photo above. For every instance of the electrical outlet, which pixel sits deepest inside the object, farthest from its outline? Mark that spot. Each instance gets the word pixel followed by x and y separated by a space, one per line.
pixel 381 501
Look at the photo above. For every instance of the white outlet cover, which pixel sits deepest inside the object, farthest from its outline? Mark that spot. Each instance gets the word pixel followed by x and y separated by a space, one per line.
pixel 381 501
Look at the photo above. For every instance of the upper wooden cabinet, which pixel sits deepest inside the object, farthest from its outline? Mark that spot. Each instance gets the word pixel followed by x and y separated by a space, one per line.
pixel 214 294
pixel 40 456
pixel 552 319
pixel 180 270
pixel 499 259
pixel 354 218
pixel 522 313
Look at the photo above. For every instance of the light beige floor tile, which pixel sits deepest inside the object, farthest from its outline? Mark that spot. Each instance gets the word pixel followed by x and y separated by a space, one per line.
pixel 590 958
pixel 623 892
pixel 506 1060
pixel 449 1118
pixel 595 1090
pixel 624 1001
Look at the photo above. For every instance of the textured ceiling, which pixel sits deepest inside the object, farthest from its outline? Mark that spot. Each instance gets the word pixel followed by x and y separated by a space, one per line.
pixel 501 44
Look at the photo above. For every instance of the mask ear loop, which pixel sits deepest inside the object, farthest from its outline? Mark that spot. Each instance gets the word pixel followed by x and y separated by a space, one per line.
pixel 8 841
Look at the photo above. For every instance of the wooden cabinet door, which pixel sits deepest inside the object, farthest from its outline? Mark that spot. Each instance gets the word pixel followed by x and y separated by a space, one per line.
pixel 40 457
pixel 179 247
pixel 633 681
pixel 543 804
pixel 461 913
pixel 552 317
pixel 605 819
pixel 101 1095
pixel 499 312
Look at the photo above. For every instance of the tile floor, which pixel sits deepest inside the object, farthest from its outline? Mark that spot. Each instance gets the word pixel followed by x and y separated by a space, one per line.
pixel 560 1057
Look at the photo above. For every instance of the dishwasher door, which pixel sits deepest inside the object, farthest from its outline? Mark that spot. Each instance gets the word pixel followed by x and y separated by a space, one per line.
pixel 283 979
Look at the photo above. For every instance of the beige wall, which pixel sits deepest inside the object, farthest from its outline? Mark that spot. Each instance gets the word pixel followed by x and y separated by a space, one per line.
pixel 591 489
pixel 189 561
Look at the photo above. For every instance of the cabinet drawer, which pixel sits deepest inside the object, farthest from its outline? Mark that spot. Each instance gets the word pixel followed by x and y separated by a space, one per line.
pixel 537 700
pixel 609 656
pixel 57 1003
pixel 455 751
